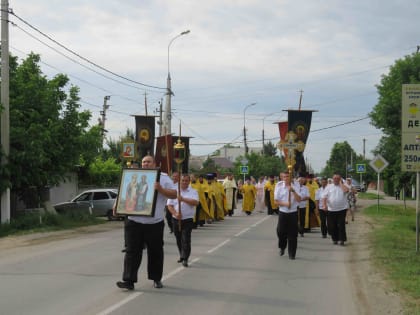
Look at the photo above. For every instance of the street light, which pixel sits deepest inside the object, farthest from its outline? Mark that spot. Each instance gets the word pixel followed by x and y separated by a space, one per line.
pixel 245 145
pixel 263 135
pixel 167 115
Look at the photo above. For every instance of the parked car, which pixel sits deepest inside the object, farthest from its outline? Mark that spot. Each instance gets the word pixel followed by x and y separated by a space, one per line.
pixel 357 185
pixel 100 201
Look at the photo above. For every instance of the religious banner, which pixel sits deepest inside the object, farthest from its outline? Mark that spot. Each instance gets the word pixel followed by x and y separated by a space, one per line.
pixel 299 121
pixel 283 129
pixel 145 135
pixel 164 153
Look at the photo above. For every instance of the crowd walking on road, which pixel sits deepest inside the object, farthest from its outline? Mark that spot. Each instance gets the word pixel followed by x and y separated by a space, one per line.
pixel 190 202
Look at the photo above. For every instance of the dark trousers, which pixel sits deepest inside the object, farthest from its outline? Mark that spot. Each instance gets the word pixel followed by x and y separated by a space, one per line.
pixel 287 231
pixel 138 235
pixel 197 215
pixel 183 237
pixel 323 219
pixel 168 216
pixel 302 215
pixel 268 202
pixel 336 221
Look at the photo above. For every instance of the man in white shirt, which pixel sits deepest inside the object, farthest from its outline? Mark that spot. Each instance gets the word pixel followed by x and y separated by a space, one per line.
pixel 304 197
pixel 320 207
pixel 140 231
pixel 287 198
pixel 334 199
pixel 188 198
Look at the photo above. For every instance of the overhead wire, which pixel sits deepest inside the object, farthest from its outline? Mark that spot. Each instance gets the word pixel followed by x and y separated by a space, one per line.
pixel 81 57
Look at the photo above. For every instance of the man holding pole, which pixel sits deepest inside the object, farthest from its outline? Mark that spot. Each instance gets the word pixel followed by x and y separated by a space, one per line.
pixel 287 198
pixel 140 231
pixel 183 221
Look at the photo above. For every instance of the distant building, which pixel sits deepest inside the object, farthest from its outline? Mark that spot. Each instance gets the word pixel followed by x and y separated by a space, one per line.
pixel 226 157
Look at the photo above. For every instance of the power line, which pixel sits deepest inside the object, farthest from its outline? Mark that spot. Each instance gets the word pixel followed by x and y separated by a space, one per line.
pixel 81 57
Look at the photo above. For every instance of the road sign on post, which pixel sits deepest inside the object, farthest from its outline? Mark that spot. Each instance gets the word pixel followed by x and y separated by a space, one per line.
pixel 378 164
pixel 410 139
pixel 360 168
pixel 243 169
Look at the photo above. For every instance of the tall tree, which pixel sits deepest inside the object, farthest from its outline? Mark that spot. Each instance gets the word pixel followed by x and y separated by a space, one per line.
pixel 386 115
pixel 48 133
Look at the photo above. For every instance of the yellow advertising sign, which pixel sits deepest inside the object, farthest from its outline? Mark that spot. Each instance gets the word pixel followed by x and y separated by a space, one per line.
pixel 410 128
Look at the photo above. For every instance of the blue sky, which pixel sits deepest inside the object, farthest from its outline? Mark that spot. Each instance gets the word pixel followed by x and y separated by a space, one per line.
pixel 237 53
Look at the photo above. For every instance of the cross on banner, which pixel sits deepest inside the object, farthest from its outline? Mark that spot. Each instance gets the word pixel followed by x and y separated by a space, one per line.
pixel 291 145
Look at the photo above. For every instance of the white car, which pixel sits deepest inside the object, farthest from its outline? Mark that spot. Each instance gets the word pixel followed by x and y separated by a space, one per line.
pixel 100 202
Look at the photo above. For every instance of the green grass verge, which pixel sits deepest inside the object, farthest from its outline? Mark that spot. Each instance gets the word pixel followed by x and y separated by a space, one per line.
pixel 370 196
pixel 394 250
pixel 33 222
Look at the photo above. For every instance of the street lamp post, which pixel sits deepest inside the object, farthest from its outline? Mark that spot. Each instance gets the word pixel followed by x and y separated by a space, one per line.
pixel 167 115
pixel 245 145
pixel 263 135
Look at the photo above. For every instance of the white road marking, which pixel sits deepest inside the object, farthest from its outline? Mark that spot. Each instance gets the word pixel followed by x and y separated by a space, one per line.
pixel 132 296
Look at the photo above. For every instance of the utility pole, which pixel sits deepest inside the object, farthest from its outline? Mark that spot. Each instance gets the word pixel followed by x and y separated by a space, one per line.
pixel 160 118
pixel 145 103
pixel 364 144
pixel 5 119
pixel 103 114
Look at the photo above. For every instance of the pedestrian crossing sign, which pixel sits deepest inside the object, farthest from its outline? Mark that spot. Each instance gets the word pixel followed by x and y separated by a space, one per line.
pixel 243 169
pixel 360 168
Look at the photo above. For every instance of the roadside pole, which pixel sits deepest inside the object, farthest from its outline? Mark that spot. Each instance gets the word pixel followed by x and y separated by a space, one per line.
pixel 410 139
pixel 417 211
pixel 378 163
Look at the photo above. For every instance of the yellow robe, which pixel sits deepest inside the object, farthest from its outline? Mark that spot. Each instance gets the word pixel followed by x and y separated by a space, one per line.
pixel 205 211
pixel 270 187
pixel 249 192
pixel 315 222
pixel 218 193
pixel 230 189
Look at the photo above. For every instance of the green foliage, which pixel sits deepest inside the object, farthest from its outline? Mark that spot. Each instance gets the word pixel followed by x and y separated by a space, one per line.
pixel 269 149
pixel 386 115
pixel 394 240
pixel 33 222
pixel 104 173
pixel 342 154
pixel 49 135
pixel 260 165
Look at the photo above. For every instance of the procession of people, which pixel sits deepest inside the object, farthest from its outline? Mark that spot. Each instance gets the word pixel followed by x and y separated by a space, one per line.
pixel 191 201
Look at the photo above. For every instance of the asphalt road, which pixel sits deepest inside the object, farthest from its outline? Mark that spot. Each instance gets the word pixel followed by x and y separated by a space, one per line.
pixel 235 268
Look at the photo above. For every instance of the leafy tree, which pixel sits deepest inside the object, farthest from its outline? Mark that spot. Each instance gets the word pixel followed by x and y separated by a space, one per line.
pixel 104 173
pixel 48 133
pixel 260 165
pixel 269 149
pixel 343 159
pixel 386 115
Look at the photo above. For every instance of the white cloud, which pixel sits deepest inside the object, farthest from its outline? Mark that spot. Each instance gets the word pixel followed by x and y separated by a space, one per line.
pixel 238 52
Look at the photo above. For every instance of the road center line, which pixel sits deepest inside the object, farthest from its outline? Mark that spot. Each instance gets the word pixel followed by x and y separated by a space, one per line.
pixel 132 296
pixel 218 246
pixel 116 306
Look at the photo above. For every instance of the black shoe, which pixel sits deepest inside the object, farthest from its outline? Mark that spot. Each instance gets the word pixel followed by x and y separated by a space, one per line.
pixel 335 242
pixel 324 236
pixel 157 284
pixel 124 250
pixel 342 243
pixel 292 257
pixel 125 285
pixel 281 252
pixel 185 263
pixel 179 260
